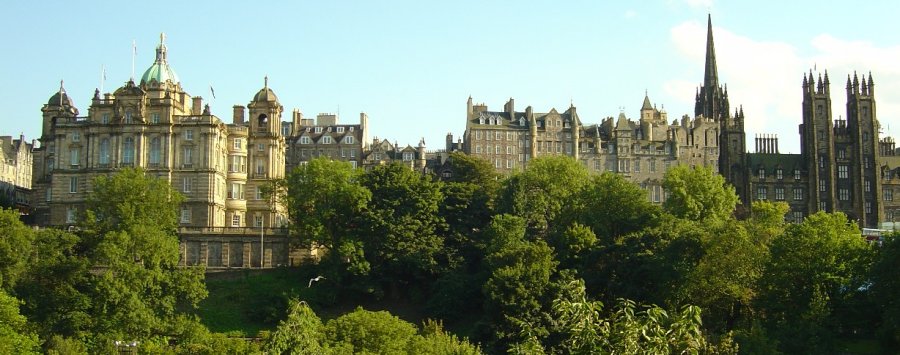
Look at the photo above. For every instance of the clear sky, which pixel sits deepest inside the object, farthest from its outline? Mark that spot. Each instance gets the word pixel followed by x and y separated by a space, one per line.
pixel 411 65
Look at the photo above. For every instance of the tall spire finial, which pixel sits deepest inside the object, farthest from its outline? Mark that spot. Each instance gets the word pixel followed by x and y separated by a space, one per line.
pixel 162 38
pixel 711 77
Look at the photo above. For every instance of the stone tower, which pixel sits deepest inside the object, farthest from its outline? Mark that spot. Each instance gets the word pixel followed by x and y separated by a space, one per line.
pixel 862 128
pixel 265 155
pixel 817 143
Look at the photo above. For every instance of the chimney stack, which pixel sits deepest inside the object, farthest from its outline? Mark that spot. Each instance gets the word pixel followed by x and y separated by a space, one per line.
pixel 238 116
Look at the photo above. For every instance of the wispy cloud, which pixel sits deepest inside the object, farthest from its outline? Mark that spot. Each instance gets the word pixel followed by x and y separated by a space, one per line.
pixel 700 4
pixel 765 76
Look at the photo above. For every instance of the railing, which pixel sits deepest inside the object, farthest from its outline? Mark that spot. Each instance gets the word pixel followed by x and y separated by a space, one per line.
pixel 248 231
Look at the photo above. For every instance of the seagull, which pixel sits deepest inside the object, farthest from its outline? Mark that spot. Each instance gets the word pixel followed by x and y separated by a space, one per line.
pixel 317 278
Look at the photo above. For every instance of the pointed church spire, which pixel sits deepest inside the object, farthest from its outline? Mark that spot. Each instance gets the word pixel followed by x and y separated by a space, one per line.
pixel 646 105
pixel 711 76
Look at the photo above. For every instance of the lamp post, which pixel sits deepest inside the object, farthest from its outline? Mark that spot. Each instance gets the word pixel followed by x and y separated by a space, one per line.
pixel 262 249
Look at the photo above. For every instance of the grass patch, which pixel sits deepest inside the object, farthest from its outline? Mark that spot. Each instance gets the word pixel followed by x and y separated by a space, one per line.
pixel 251 300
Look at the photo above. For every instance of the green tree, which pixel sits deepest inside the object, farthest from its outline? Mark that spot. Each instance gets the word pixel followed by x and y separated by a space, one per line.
pixel 724 280
pixel 474 170
pixel 698 194
pixel 433 340
pixel 469 198
pixel 520 272
pixel 129 229
pixel 15 338
pixel 540 193
pixel 645 266
pixel 57 288
pixel 402 238
pixel 572 244
pixel 15 243
pixel 301 333
pixel 885 291
pixel 582 328
pixel 816 267
pixel 325 201
pixel 367 332
pixel 613 206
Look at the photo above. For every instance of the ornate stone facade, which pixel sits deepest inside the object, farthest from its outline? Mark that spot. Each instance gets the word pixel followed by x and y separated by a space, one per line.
pixel 221 169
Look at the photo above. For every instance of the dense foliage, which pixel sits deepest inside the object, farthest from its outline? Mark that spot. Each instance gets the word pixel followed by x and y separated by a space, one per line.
pixel 549 260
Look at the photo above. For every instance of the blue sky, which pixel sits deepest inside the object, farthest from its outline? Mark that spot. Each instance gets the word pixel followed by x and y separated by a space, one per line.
pixel 411 65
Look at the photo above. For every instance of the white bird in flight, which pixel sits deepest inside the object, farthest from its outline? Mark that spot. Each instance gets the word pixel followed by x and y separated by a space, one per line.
pixel 317 278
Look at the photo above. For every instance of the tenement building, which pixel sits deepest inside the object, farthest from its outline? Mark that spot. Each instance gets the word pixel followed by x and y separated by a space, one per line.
pixel 843 164
pixel 221 169
pixel 326 137
pixel 15 171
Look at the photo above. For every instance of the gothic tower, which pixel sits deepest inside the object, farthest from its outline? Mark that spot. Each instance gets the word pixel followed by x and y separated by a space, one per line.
pixel 712 103
pixel 862 127
pixel 817 143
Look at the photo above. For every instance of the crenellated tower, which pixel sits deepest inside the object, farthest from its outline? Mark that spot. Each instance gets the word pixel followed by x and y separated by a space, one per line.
pixel 863 152
pixel 817 143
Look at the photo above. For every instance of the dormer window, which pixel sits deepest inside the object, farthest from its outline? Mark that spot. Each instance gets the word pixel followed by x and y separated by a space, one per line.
pixel 348 140
pixel 521 121
pixel 340 130
pixel 328 129
pixel 326 140
pixel 304 140
pixel 318 129
pixel 481 120
pixel 350 129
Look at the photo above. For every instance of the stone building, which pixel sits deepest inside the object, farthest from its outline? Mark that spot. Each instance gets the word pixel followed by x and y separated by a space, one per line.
pixel 221 169
pixel 641 150
pixel 15 170
pixel 383 152
pixel 326 137
pixel 843 165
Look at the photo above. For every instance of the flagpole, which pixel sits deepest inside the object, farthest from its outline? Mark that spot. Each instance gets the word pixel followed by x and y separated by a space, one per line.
pixel 102 76
pixel 133 54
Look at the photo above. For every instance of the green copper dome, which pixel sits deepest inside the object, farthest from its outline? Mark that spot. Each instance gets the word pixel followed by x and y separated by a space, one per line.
pixel 160 70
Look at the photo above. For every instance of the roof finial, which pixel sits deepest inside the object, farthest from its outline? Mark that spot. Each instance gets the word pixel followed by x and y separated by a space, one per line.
pixel 162 38
pixel 61 89
pixel 266 81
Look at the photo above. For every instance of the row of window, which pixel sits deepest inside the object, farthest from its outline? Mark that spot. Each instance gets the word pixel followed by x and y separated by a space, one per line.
pixel 762 193
pixel 326 140
pixel 236 218
pixel 345 152
pixel 338 129
pixel 496 135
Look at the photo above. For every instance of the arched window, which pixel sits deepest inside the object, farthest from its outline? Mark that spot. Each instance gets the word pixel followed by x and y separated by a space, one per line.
pixel 104 151
pixel 262 122
pixel 128 151
pixel 155 151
